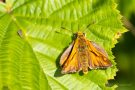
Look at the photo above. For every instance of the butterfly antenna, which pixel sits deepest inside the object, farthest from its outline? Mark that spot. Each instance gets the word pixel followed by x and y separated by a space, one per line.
pixel 69 30
pixel 78 28
pixel 88 26
pixel 64 28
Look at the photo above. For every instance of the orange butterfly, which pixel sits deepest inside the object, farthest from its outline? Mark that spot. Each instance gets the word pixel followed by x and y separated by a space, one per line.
pixel 83 54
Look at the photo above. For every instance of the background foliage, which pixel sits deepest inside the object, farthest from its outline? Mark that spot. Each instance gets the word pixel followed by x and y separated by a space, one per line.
pixel 124 51
pixel 32 40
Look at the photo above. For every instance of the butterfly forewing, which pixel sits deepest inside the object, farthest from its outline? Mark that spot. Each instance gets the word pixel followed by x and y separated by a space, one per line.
pixel 71 63
pixel 98 58
pixel 99 49
pixel 66 54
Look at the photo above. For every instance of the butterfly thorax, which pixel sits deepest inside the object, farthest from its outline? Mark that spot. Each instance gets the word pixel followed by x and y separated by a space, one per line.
pixel 82 45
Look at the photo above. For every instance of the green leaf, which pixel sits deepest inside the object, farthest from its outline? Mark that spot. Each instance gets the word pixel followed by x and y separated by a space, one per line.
pixel 19 67
pixel 32 41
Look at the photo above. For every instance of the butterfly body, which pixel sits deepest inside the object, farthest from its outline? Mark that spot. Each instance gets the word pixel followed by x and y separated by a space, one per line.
pixel 83 54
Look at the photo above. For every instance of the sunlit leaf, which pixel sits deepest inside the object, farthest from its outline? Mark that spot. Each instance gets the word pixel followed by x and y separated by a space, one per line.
pixel 30 59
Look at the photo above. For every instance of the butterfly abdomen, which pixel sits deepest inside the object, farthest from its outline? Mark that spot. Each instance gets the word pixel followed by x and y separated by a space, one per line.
pixel 84 60
pixel 85 67
pixel 84 63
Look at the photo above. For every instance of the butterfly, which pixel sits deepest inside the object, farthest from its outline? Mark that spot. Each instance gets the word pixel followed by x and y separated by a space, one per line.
pixel 83 54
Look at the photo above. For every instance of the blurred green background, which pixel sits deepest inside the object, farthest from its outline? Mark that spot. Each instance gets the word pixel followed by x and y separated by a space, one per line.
pixel 124 51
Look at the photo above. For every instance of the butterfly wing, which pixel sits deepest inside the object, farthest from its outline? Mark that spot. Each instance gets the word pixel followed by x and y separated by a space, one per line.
pixel 71 63
pixel 66 54
pixel 99 49
pixel 97 56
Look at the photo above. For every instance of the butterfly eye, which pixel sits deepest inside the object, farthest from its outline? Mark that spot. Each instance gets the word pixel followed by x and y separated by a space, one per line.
pixel 74 35
pixel 84 34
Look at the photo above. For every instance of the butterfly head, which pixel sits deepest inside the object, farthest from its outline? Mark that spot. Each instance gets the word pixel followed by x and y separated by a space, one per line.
pixel 80 34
